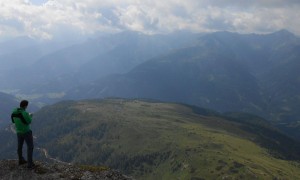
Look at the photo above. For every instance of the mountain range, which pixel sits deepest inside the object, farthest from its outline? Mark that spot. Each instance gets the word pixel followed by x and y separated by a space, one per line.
pixel 87 61
pixel 223 71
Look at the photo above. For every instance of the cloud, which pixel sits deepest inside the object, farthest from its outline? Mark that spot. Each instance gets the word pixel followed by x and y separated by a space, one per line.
pixel 47 19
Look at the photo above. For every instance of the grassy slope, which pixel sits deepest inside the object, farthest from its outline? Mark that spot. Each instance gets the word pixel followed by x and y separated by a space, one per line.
pixel 156 141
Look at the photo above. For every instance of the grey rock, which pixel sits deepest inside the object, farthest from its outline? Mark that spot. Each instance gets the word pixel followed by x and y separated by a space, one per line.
pixel 10 170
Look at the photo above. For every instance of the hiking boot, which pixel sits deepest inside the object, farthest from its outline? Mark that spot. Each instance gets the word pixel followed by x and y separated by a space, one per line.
pixel 22 161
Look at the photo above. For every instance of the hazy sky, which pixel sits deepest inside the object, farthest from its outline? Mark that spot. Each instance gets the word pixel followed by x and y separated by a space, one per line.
pixel 48 19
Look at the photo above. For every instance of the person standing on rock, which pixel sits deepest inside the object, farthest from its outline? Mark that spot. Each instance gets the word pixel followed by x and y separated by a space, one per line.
pixel 22 120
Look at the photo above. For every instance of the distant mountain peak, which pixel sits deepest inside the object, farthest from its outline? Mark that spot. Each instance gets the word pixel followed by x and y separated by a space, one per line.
pixel 283 33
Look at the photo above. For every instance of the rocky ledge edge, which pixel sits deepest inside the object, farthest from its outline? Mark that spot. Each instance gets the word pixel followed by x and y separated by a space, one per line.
pixel 10 170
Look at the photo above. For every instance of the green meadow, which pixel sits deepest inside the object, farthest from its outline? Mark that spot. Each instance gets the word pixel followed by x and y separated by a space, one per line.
pixel 155 140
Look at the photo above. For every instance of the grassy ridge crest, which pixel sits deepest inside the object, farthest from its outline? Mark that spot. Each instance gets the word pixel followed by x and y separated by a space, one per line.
pixel 156 140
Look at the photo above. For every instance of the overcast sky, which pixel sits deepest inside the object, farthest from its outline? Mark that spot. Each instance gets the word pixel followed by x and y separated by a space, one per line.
pixel 47 19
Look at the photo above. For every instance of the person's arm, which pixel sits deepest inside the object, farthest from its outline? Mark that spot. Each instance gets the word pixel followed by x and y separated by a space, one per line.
pixel 12 118
pixel 27 117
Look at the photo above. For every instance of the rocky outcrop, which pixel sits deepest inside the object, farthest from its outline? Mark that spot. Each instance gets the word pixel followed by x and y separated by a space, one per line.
pixel 10 170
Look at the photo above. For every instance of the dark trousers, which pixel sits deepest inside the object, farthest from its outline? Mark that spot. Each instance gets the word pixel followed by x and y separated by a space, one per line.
pixel 27 137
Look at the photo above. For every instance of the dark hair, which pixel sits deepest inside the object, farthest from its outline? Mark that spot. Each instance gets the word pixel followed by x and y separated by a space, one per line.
pixel 23 103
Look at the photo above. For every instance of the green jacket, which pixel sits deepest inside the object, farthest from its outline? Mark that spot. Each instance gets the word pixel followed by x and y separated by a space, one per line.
pixel 22 120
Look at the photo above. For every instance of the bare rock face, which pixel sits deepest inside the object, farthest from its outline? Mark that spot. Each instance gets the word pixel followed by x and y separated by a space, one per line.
pixel 10 170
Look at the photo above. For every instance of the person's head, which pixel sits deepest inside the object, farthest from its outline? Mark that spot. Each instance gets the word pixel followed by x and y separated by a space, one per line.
pixel 24 104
